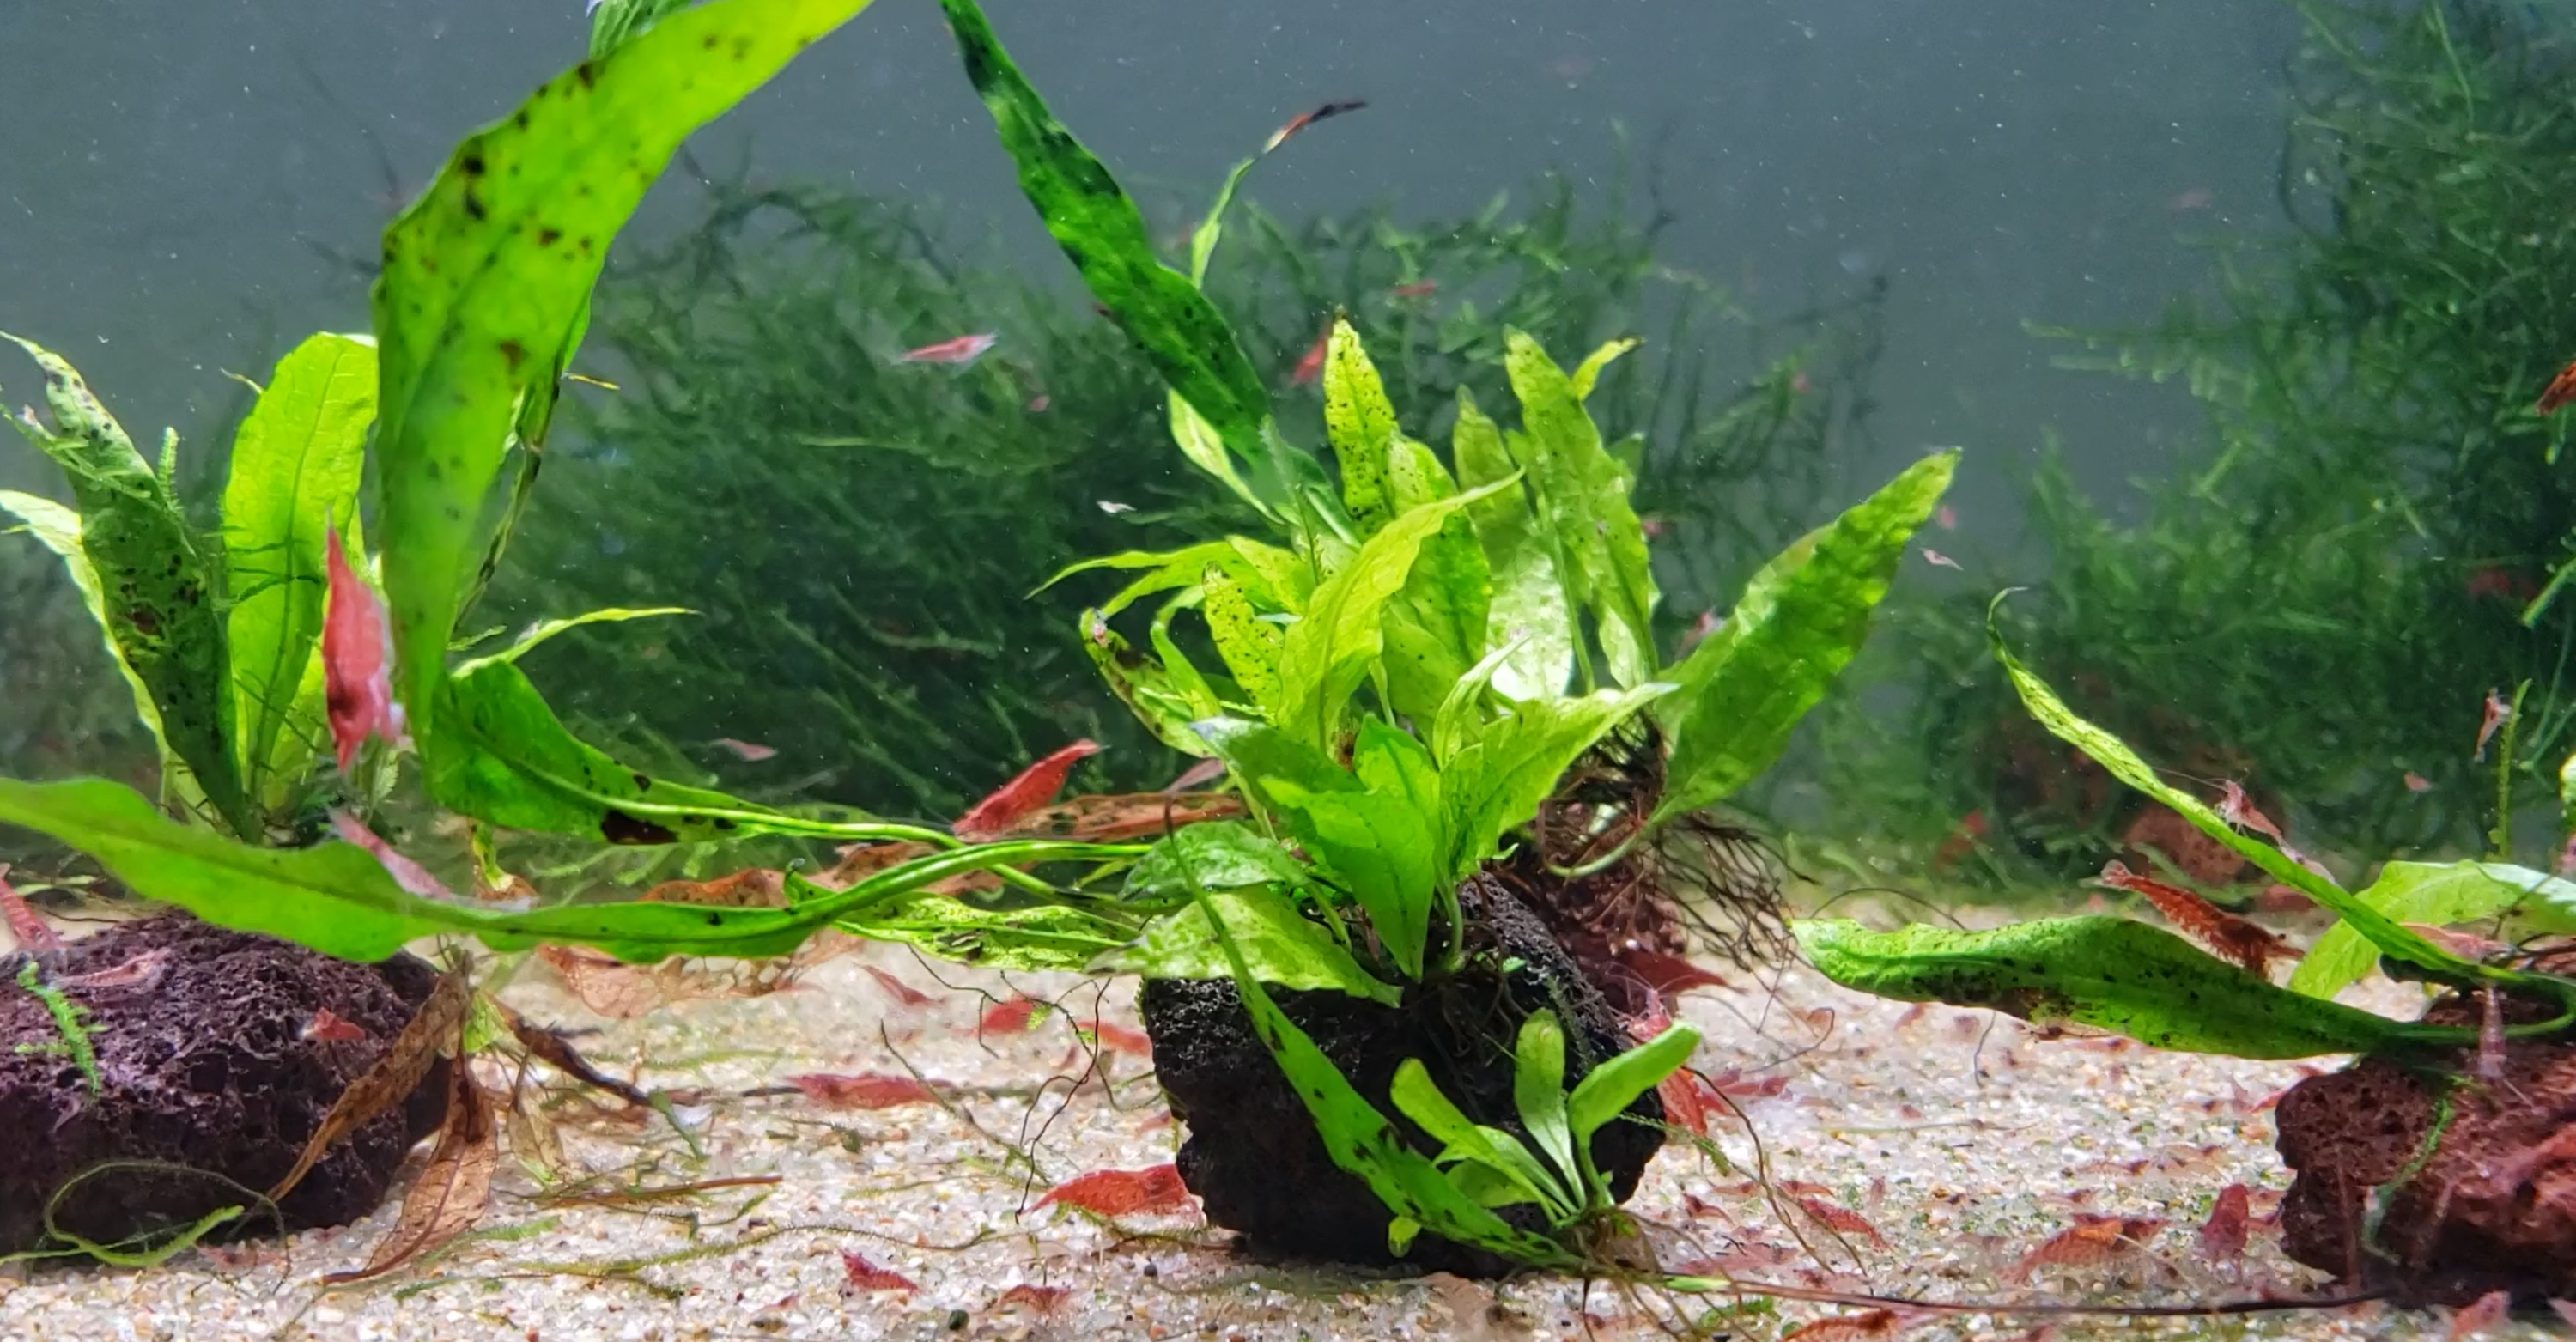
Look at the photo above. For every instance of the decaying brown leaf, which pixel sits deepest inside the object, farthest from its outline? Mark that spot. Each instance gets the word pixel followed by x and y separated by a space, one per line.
pixel 551 1048
pixel 395 1076
pixel 453 1191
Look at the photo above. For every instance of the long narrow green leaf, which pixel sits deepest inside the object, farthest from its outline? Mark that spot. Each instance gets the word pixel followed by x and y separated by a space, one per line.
pixel 2114 755
pixel 1180 331
pixel 337 899
pixel 1359 421
pixel 1538 1090
pixel 501 755
pixel 2109 973
pixel 1417 1097
pixel 162 592
pixel 1800 620
pixel 545 629
pixel 487 275
pixel 1611 1086
pixel 296 464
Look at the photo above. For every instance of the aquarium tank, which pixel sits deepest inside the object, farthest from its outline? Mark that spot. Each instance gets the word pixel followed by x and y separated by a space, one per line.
pixel 873 668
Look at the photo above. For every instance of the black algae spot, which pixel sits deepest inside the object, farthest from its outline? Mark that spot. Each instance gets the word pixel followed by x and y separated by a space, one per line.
pixel 619 827
pixel 474 206
pixel 587 72
pixel 546 237
pixel 472 162
pixel 520 120
pixel 724 826
pixel 715 919
pixel 642 783
pixel 515 352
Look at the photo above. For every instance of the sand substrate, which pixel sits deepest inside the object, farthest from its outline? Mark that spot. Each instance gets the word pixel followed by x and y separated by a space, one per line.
pixel 1927 1152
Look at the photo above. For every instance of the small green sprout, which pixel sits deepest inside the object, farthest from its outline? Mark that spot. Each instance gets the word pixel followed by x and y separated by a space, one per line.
pixel 67 1016
pixel 1497 1168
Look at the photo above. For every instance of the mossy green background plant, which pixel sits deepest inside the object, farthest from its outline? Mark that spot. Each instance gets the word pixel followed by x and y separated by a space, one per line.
pixel 2318 599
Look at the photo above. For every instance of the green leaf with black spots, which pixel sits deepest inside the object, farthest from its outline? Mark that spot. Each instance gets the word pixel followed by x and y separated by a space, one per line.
pixel 487 276
pixel 1282 947
pixel 1249 645
pixel 1362 1142
pixel 160 590
pixel 337 899
pixel 2108 973
pixel 58 529
pixel 296 464
pixel 1142 683
pixel 1798 623
pixel 1494 784
pixel 1270 575
pixel 1328 651
pixel 2436 895
pixel 1583 495
pixel 1181 333
pixel 1528 604
pixel 1359 421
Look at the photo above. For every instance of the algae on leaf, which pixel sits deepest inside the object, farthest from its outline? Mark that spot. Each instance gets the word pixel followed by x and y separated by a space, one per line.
pixel 2109 973
pixel 161 592
pixel 485 287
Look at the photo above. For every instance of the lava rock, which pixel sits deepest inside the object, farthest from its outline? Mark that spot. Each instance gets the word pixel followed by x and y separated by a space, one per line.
pixel 1252 1154
pixel 2491 1207
pixel 209 1085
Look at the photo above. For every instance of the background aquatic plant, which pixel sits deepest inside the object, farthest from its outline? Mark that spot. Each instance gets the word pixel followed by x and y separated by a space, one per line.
pixel 912 668
pixel 2320 599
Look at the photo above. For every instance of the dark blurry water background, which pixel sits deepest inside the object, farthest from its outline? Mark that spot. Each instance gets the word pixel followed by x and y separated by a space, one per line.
pixel 179 179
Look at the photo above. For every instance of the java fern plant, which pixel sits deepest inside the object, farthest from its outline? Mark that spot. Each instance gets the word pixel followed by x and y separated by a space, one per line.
pixel 1406 674
pixel 1403 672
pixel 483 298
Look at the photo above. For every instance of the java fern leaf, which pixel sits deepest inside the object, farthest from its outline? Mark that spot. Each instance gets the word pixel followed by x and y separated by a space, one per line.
pixel 2108 973
pixel 1801 619
pixel 485 290
pixel 337 899
pixel 162 585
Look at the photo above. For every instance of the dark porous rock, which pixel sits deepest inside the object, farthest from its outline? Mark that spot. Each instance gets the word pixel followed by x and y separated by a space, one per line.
pixel 210 1085
pixel 1252 1154
pixel 2491 1207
